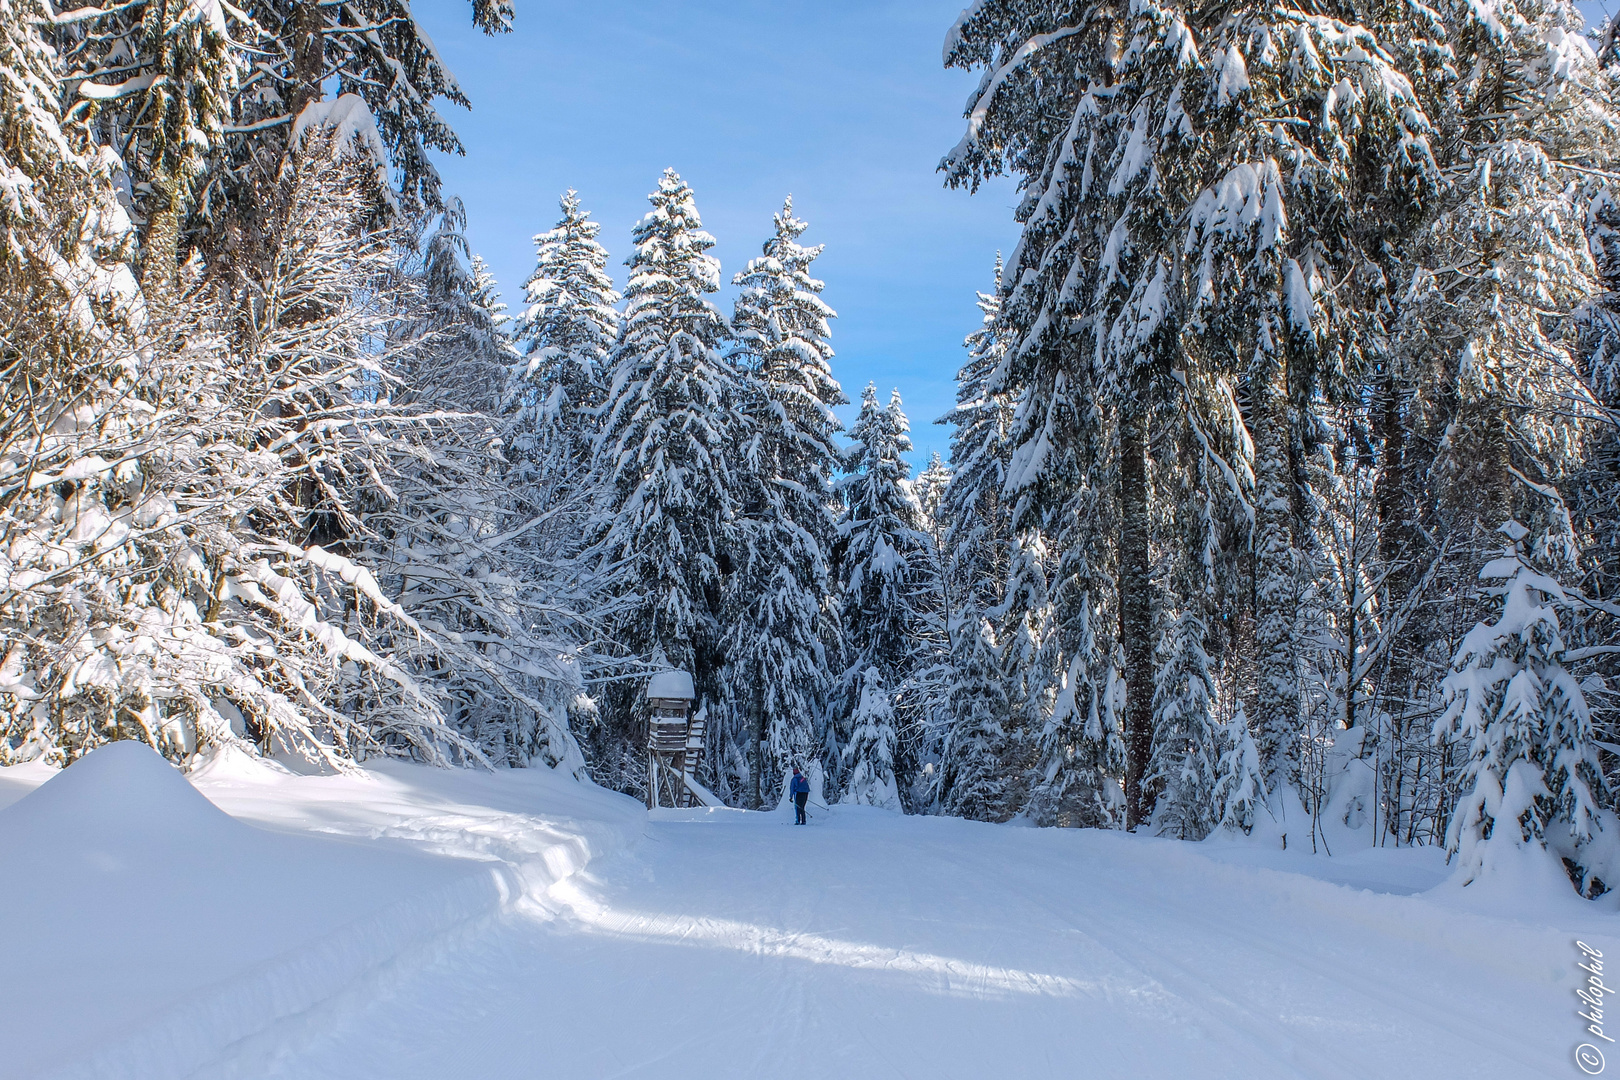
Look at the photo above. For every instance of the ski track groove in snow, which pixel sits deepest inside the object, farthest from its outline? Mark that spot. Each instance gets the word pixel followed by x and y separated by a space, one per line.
pixel 1363 984
pixel 1191 985
pixel 764 926
pixel 1240 1027
pixel 719 945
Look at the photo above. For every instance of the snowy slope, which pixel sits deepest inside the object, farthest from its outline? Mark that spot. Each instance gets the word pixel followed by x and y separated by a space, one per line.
pixel 718 943
pixel 150 930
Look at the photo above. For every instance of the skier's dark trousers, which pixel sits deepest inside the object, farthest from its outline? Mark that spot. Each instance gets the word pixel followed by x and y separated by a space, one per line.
pixel 800 787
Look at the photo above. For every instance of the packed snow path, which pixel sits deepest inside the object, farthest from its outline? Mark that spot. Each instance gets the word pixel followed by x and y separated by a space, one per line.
pixel 868 945
pixel 719 944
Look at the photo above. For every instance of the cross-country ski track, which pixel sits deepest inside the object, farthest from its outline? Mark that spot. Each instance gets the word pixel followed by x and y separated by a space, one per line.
pixel 722 943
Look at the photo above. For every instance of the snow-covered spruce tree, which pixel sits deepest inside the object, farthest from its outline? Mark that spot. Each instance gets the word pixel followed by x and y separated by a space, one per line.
pixel 1481 337
pixel 566 333
pixel 974 779
pixel 929 489
pixel 869 755
pixel 975 510
pixel 468 351
pixel 975 550
pixel 1098 378
pixel 1521 723
pixel 551 401
pixel 1059 615
pixel 1186 735
pixel 1056 619
pixel 1118 148
pixel 926 697
pixel 1290 213
pixel 781 637
pixel 1240 789
pixel 666 452
pixel 1531 106
pixel 884 555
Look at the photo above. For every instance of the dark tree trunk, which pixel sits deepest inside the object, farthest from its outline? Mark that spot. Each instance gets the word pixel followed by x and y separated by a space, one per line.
pixel 160 248
pixel 1277 680
pixel 1393 498
pixel 309 54
pixel 1136 612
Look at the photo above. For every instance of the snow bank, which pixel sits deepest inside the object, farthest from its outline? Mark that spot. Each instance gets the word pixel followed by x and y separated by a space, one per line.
pixel 150 930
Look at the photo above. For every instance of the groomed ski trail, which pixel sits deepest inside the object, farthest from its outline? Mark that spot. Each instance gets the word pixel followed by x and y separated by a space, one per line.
pixel 721 945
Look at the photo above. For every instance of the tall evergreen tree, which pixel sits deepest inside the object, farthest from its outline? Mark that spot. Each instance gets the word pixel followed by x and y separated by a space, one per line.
pixel 974 770
pixel 1186 734
pixel 884 556
pixel 572 320
pixel 1174 233
pixel 1184 771
pixel 567 332
pixel 980 750
pixel 975 509
pixel 667 447
pixel 782 635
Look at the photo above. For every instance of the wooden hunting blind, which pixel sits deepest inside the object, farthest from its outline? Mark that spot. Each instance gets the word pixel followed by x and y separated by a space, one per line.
pixel 674 740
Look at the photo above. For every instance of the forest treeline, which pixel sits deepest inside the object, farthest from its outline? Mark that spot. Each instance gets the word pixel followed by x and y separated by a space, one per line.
pixel 1284 469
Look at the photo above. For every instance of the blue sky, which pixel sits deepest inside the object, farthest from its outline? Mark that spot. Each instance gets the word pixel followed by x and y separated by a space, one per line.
pixel 844 104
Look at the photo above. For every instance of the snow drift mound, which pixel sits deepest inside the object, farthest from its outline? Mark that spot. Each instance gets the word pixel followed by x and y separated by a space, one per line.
pixel 108 798
pixel 149 930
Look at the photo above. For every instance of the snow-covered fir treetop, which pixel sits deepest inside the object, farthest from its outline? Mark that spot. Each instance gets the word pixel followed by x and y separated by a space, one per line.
pixel 571 299
pixel 880 439
pixel 777 286
pixel 781 323
pixel 881 510
pixel 671 230
pixel 671 329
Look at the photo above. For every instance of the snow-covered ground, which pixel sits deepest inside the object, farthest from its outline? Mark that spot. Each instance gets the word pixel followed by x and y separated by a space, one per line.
pixel 411 923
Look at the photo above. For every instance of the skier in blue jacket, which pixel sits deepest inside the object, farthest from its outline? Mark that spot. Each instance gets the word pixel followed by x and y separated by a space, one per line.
pixel 800 787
